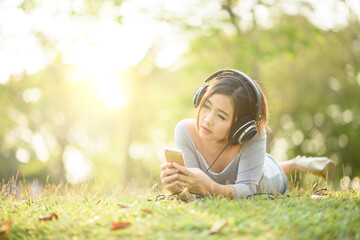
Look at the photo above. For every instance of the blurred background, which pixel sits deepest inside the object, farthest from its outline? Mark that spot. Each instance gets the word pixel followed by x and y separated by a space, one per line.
pixel 91 90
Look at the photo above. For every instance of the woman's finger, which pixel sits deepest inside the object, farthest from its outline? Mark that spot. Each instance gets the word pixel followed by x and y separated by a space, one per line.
pixel 183 184
pixel 168 172
pixel 168 179
pixel 182 169
pixel 184 178
pixel 174 188
pixel 166 165
pixel 172 185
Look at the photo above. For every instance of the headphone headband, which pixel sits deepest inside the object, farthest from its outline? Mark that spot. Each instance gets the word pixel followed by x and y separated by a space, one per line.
pixel 243 76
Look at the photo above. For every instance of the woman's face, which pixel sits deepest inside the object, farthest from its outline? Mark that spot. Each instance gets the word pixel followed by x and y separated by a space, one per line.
pixel 215 117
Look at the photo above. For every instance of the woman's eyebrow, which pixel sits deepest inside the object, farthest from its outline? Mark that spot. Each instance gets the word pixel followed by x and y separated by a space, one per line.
pixel 222 111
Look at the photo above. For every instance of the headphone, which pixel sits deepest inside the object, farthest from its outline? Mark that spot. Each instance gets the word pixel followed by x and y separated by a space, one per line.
pixel 244 128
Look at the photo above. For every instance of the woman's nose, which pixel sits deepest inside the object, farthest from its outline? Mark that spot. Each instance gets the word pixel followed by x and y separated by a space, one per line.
pixel 208 118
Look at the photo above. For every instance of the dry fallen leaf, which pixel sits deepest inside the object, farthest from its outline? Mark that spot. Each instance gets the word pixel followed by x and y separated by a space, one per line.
pixel 49 218
pixel 217 226
pixel 147 210
pixel 5 228
pixel 123 205
pixel 119 225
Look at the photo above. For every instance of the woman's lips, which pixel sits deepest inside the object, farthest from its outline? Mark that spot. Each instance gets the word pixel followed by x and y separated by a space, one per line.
pixel 205 130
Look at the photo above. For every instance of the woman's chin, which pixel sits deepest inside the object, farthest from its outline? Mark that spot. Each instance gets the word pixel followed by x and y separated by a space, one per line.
pixel 204 136
pixel 209 138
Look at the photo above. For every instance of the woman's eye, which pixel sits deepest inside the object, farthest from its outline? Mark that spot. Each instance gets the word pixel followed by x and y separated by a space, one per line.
pixel 221 117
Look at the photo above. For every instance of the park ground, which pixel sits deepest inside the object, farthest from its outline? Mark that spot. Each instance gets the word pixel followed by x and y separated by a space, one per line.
pixel 87 211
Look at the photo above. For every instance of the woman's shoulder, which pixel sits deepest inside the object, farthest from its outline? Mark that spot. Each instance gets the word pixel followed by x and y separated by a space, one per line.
pixel 186 124
pixel 185 129
pixel 260 136
pixel 183 134
pixel 256 143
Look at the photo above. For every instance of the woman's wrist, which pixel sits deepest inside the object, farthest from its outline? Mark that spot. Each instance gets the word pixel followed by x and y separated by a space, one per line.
pixel 218 190
pixel 224 191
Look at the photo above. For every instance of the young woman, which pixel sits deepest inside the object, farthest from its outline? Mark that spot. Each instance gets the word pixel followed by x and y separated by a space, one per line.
pixel 224 147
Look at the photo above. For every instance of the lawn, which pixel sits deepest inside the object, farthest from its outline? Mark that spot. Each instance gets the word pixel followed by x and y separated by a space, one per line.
pixel 87 212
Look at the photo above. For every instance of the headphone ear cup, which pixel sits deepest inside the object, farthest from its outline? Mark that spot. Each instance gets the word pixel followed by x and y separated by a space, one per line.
pixel 248 135
pixel 199 93
pixel 243 129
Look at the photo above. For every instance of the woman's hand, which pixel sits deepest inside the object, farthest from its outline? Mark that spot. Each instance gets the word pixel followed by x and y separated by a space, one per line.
pixel 169 176
pixel 194 179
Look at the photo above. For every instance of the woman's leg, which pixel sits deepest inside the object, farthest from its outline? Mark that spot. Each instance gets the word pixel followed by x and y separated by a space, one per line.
pixel 321 166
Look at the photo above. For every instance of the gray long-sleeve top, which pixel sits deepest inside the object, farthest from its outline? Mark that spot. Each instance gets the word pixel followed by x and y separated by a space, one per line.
pixel 244 171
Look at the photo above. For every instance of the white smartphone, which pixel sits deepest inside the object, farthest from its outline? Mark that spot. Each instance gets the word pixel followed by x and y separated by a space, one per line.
pixel 174 155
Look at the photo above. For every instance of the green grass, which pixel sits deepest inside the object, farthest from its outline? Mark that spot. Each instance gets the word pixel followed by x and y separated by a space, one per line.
pixel 87 212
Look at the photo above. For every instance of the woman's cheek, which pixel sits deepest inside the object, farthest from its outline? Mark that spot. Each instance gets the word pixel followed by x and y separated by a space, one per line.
pixel 226 128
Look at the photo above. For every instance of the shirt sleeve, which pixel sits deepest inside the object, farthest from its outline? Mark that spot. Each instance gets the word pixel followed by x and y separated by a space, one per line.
pixel 250 166
pixel 184 142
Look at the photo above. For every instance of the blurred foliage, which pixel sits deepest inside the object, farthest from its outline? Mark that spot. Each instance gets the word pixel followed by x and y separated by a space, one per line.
pixel 310 76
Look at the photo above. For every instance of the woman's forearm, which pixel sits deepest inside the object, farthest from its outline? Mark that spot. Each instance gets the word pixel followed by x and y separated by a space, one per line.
pixel 222 191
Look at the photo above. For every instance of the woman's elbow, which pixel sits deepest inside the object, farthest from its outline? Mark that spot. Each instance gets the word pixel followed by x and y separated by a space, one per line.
pixel 243 190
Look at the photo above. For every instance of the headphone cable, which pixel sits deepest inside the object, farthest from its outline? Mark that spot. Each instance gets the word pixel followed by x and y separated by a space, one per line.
pixel 218 156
